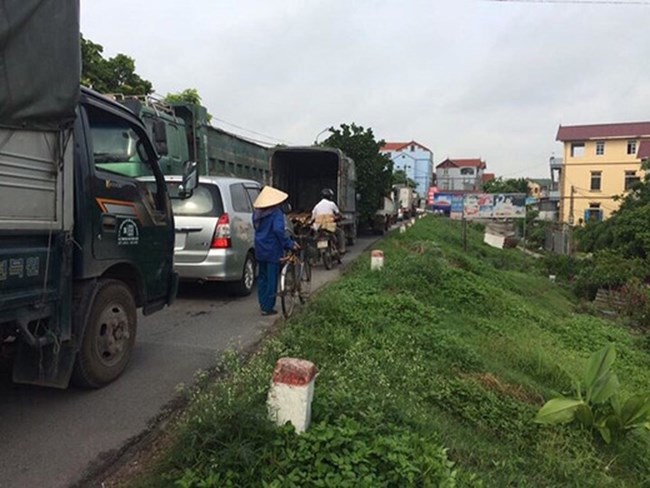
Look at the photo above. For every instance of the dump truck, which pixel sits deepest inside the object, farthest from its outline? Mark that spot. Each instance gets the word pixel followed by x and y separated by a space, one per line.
pixel 182 131
pixel 304 171
pixel 82 243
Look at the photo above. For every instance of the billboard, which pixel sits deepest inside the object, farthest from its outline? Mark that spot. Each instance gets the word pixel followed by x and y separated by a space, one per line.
pixel 494 206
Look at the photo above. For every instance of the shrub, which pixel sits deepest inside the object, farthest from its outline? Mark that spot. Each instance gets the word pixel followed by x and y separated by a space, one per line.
pixel 597 404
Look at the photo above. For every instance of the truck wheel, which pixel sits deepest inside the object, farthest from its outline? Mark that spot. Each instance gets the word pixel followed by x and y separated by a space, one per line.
pixel 244 286
pixel 108 336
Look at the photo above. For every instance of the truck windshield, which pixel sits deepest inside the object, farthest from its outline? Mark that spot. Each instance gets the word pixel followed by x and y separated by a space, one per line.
pixel 118 149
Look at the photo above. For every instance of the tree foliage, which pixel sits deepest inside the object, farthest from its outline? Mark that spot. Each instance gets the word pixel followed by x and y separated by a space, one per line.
pixel 113 75
pixel 400 178
pixel 511 185
pixel 627 231
pixel 374 170
pixel 189 95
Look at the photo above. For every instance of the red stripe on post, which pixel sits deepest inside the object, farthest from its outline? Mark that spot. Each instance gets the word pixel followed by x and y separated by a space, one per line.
pixel 295 372
pixel 377 254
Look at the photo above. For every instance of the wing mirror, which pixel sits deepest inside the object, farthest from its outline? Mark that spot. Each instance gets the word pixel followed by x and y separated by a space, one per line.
pixel 190 179
pixel 160 137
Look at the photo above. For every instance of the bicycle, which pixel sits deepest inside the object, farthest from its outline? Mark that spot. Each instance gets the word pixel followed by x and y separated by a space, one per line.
pixel 295 280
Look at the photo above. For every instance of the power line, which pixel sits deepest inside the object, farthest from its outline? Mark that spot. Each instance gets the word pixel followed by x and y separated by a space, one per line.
pixel 586 2
pixel 252 132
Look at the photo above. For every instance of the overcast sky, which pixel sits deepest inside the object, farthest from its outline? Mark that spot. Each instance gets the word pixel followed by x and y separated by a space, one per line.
pixel 466 78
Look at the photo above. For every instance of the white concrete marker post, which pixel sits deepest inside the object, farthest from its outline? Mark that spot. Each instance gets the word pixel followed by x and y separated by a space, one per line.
pixel 291 393
pixel 376 260
pixel 402 229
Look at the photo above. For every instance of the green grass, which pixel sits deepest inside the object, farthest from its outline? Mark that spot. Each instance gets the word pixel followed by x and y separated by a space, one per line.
pixel 431 372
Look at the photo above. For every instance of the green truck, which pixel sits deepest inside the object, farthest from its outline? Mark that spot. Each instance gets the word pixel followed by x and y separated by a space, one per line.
pixel 83 243
pixel 182 131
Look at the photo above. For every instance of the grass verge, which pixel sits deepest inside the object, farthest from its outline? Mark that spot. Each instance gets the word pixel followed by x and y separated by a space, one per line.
pixel 431 372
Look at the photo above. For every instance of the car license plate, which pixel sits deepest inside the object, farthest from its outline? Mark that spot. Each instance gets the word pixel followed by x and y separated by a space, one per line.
pixel 321 244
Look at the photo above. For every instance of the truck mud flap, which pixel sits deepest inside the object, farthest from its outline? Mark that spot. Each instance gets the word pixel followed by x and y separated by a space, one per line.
pixel 47 365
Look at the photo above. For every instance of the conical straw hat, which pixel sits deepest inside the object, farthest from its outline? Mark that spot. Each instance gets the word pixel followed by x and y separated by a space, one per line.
pixel 269 197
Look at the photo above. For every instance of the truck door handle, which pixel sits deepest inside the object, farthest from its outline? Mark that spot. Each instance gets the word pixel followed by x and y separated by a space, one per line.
pixel 109 222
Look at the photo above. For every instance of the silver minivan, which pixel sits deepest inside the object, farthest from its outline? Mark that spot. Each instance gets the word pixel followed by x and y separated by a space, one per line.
pixel 215 238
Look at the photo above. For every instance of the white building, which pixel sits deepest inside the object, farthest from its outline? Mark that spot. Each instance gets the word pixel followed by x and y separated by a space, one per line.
pixel 415 160
pixel 460 175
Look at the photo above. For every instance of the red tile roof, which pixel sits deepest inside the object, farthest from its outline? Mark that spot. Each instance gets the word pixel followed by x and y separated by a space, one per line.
pixel 603 131
pixel 462 163
pixel 396 146
pixel 644 150
pixel 485 177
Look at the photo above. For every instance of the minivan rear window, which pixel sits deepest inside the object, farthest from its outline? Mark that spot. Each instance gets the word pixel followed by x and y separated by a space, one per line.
pixel 205 201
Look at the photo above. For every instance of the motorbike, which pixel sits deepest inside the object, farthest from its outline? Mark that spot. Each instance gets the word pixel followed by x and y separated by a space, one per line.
pixel 326 247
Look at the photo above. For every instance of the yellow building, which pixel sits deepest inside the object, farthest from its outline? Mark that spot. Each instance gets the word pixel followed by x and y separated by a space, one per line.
pixel 600 162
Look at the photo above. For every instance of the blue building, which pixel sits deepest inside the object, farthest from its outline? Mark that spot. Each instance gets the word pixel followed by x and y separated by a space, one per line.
pixel 415 160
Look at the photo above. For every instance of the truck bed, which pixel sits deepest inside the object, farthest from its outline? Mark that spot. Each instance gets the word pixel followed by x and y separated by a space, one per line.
pixel 35 167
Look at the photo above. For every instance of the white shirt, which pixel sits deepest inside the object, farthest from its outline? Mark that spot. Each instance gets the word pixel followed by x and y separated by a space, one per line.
pixel 324 207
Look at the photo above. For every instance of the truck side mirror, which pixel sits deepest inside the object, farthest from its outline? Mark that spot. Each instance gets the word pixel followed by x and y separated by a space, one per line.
pixel 190 179
pixel 160 137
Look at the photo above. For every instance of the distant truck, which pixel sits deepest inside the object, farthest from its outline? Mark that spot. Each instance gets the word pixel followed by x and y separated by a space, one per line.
pixel 385 216
pixel 82 243
pixel 182 132
pixel 303 171
pixel 405 199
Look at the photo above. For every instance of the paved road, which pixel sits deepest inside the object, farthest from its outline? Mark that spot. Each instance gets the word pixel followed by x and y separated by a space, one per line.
pixel 50 438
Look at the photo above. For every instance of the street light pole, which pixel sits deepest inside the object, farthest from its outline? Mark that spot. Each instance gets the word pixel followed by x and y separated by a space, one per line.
pixel 327 129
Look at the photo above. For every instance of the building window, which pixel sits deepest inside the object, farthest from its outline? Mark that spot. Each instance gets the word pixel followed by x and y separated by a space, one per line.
pixel 600 148
pixel 467 171
pixel 445 172
pixel 631 147
pixel 631 179
pixel 577 149
pixel 594 213
pixel 412 147
pixel 596 177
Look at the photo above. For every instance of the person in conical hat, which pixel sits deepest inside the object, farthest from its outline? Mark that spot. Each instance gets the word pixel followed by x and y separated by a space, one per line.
pixel 269 197
pixel 270 242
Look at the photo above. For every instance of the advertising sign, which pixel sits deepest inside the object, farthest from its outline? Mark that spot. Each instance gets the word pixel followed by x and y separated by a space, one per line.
pixel 509 206
pixel 494 206
pixel 457 202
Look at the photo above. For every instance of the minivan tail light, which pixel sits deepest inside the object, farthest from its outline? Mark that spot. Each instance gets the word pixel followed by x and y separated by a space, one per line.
pixel 221 238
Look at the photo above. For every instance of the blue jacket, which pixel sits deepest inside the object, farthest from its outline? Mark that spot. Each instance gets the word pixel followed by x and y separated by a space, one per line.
pixel 270 237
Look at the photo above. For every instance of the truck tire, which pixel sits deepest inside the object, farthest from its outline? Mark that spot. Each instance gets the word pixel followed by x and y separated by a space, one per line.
pixel 108 336
pixel 244 286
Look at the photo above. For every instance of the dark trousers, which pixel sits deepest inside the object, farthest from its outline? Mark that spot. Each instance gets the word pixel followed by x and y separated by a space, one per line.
pixel 267 284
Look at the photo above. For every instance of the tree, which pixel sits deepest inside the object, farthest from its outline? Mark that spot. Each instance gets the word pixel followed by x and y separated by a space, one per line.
pixel 400 178
pixel 113 75
pixel 189 95
pixel 374 170
pixel 499 185
pixel 627 231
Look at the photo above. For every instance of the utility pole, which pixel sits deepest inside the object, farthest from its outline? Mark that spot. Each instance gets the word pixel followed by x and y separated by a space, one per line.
pixel 571 219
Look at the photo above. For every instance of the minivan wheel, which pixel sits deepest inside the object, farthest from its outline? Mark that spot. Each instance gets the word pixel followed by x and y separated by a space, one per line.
pixel 245 285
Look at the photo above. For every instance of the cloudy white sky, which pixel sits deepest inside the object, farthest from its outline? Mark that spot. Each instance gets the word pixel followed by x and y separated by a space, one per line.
pixel 466 78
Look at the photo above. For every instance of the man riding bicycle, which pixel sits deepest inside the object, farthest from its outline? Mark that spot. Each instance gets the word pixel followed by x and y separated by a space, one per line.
pixel 325 215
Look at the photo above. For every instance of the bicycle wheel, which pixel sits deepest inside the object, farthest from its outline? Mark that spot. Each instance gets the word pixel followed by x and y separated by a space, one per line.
pixel 305 281
pixel 288 289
